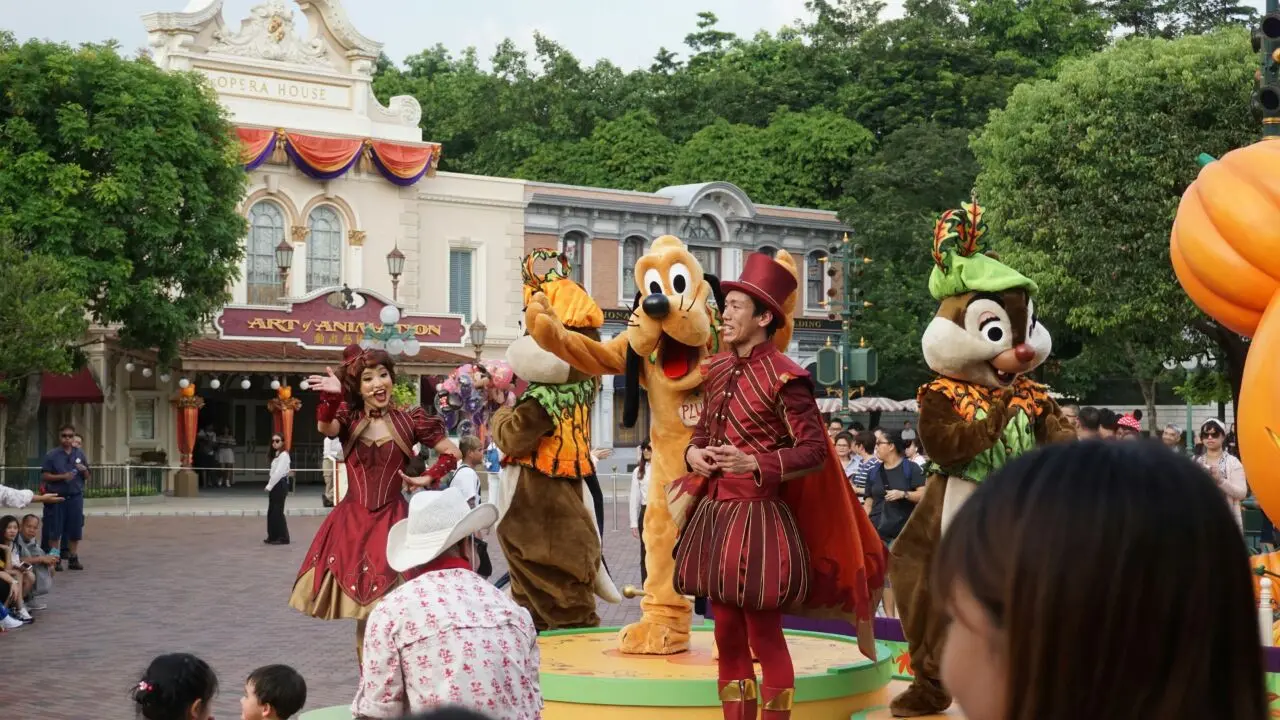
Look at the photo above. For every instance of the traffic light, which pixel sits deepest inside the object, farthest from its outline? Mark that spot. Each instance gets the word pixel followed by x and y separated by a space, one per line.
pixel 1266 98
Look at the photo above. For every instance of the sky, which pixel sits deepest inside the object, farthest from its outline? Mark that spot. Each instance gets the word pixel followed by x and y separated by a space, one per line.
pixel 627 32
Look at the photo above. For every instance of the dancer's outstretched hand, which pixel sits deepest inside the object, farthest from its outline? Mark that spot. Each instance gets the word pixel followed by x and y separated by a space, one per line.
pixel 327 383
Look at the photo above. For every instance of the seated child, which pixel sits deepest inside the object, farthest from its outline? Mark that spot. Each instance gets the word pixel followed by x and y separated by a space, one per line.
pixel 178 686
pixel 273 692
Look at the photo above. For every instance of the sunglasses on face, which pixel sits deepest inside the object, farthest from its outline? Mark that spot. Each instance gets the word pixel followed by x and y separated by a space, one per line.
pixel 1208 435
pixel 65 435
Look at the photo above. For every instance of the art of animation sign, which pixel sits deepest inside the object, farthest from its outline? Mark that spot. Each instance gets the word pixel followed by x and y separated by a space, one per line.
pixel 331 320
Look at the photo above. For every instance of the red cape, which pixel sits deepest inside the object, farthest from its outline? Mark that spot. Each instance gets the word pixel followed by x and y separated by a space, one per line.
pixel 847 557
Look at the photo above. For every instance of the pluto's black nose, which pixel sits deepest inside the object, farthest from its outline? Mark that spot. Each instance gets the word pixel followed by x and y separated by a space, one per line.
pixel 656 306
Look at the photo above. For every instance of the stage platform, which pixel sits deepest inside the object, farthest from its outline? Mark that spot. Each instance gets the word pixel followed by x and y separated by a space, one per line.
pixel 585 677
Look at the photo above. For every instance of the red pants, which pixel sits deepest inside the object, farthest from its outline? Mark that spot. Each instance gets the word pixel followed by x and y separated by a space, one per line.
pixel 739 632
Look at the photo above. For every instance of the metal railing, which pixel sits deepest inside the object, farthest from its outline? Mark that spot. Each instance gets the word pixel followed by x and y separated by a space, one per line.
pixel 130 481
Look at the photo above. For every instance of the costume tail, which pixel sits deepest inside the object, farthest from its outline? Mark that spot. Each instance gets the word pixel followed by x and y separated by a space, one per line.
pixel 605 588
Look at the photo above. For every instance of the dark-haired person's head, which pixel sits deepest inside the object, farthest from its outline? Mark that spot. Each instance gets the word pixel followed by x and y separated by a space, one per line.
pixel 889 445
pixel 1075 580
pixel 178 686
pixel 1108 424
pixel 775 322
pixel 1090 420
pixel 273 692
pixel 865 440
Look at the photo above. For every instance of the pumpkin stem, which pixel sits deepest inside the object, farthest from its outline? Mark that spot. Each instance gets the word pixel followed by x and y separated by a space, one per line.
pixel 1205 159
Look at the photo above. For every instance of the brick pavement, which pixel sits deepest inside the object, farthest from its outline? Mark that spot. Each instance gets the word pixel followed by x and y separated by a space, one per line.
pixel 205 585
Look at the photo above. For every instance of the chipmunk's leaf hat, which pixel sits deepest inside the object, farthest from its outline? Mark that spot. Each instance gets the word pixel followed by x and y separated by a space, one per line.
pixel 572 303
pixel 960 266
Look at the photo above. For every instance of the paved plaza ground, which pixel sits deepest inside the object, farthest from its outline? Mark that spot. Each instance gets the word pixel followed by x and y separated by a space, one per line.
pixel 200 584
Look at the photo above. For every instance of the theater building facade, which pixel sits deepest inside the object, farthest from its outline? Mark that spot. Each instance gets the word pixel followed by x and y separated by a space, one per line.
pixel 342 182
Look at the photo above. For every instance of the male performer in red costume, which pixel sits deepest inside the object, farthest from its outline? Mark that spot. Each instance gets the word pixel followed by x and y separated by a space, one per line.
pixel 776 527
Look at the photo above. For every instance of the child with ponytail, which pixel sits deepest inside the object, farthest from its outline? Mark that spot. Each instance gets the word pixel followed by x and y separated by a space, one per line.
pixel 176 687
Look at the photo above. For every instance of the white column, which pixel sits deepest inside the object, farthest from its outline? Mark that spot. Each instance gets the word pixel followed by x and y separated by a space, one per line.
pixel 603 421
pixel 355 276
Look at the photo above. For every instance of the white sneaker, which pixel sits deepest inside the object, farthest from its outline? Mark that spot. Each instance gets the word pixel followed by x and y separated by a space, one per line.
pixel 9 622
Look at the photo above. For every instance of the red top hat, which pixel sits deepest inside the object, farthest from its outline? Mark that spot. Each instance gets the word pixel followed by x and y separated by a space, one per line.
pixel 766 280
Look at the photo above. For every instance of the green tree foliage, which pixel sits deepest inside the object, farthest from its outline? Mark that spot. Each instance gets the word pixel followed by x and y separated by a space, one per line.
pixel 629 153
pixel 1082 176
pixel 129 177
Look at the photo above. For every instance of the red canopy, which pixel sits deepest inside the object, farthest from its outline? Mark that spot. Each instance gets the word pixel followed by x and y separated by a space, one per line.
pixel 78 387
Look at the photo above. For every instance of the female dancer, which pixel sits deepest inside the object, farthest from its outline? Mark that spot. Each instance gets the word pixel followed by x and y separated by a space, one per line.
pixel 346 572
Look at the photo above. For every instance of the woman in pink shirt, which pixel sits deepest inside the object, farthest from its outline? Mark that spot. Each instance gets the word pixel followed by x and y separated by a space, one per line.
pixel 1225 468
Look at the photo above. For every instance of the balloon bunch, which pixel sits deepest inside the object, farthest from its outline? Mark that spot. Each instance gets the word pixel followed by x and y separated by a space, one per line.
pixel 472 393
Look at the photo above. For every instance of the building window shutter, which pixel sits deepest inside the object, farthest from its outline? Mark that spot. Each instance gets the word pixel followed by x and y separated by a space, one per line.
pixel 460 283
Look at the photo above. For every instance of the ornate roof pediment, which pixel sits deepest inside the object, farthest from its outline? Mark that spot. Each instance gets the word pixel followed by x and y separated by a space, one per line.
pixel 268 33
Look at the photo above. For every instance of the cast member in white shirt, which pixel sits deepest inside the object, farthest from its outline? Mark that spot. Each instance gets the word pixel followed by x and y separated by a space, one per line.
pixel 639 500
pixel 447 637
pixel 277 492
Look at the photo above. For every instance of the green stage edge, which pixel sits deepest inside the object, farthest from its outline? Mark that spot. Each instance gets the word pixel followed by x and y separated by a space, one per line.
pixel 862 676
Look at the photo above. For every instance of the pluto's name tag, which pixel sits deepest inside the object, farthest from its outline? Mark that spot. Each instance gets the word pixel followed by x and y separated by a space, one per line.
pixel 691 409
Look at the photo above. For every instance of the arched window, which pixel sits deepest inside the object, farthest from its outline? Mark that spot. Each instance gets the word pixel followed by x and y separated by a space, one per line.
pixel 324 248
pixel 702 235
pixel 574 246
pixel 266 231
pixel 632 249
pixel 816 280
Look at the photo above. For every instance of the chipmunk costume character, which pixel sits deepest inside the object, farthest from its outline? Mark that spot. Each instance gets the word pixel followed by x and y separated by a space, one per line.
pixel 547 530
pixel 669 333
pixel 981 412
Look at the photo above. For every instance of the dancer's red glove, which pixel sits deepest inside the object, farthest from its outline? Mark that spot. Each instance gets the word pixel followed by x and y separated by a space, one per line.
pixel 442 467
pixel 327 410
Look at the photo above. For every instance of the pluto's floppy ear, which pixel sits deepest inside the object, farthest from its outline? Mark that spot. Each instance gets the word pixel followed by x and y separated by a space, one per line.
pixel 716 292
pixel 631 381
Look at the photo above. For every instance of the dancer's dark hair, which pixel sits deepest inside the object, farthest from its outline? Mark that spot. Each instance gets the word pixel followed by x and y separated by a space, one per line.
pixel 1092 560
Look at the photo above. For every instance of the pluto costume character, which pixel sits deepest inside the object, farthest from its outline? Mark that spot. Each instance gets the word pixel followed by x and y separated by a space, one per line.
pixel 979 414
pixel 547 531
pixel 672 329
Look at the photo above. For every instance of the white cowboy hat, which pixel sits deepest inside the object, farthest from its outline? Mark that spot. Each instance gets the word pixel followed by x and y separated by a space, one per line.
pixel 437 521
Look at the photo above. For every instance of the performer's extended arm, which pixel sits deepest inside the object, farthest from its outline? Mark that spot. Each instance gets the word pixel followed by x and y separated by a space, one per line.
pixel 696 457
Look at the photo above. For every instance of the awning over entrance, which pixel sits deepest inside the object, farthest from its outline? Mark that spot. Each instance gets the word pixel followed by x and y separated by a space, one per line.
pixel 215 355
pixel 78 387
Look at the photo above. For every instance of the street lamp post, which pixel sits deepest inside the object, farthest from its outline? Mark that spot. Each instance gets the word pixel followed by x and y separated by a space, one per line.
pixel 856 365
pixel 284 261
pixel 478 332
pixel 395 268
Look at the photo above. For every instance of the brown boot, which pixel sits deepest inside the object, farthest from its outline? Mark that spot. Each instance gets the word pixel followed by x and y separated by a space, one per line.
pixel 738 699
pixel 924 697
pixel 777 703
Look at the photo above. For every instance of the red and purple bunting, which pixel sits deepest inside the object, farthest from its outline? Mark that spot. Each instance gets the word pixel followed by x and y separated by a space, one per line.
pixel 327 158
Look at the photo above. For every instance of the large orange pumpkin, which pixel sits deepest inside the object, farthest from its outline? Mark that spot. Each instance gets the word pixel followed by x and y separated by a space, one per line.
pixel 1225 249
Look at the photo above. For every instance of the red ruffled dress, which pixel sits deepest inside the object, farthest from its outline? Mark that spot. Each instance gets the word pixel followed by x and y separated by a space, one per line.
pixel 345 571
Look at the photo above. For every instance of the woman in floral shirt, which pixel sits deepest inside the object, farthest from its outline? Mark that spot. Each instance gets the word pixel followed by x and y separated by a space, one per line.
pixel 1225 468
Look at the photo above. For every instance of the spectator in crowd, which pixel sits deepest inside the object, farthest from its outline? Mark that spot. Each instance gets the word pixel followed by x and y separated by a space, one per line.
pixel 835 426
pixel 14 498
pixel 467 479
pixel 592 482
pixel 16 577
pixel 330 460
pixel 1089 426
pixel 638 500
pixel 64 472
pixel 908 431
pixel 1225 469
pixel 844 453
pixel 1233 441
pixel 856 427
pixel 1038 628
pixel 277 493
pixel 1171 436
pixel 9 622
pixel 206 455
pixel 1108 424
pixel 226 458
pixel 471 645
pixel 894 487
pixel 915 454
pixel 492 458
pixel 864 447
pixel 1071 412
pixel 176 687
pixel 30 552
pixel 273 692
pixel 1128 427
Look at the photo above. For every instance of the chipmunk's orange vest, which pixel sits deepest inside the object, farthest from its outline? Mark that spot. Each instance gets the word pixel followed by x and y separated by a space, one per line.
pixel 566 452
